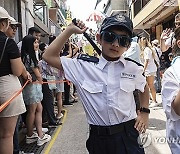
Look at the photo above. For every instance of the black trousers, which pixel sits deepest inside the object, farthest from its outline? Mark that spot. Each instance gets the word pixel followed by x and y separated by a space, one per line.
pixel 47 103
pixel 124 142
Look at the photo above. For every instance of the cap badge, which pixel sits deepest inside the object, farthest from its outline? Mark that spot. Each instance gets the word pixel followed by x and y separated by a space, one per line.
pixel 120 18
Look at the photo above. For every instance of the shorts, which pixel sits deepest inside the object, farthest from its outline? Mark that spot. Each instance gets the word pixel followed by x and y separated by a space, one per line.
pixel 32 93
pixel 59 86
pixel 10 85
pixel 150 74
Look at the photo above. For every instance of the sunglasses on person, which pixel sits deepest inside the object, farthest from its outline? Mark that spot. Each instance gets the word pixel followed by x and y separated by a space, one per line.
pixel 110 37
pixel 177 23
pixel 14 27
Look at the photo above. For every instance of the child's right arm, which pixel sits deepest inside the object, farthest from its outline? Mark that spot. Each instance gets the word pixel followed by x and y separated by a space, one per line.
pixel 51 56
pixel 176 104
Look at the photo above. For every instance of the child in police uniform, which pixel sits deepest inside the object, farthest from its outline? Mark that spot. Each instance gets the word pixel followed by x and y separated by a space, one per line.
pixel 106 86
pixel 171 97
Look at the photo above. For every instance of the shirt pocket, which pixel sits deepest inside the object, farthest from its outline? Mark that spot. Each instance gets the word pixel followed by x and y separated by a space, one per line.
pixel 93 91
pixel 127 85
pixel 92 87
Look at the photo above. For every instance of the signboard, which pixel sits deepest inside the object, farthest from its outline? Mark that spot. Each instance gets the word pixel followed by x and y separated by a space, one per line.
pixel 53 29
pixel 170 2
pixel 88 49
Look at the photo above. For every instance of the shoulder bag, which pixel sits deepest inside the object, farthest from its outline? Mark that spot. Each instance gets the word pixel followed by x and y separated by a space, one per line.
pixel 3 50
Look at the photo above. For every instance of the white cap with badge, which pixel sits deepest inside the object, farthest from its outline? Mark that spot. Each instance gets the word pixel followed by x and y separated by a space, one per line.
pixel 4 14
pixel 14 22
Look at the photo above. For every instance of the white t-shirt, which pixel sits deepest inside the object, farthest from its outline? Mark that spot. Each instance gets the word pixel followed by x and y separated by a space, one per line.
pixel 170 89
pixel 19 46
pixel 151 67
pixel 133 52
pixel 170 41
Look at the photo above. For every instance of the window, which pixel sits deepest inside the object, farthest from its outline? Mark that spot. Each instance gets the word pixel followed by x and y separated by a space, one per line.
pixel 40 12
pixel 138 5
pixel 144 2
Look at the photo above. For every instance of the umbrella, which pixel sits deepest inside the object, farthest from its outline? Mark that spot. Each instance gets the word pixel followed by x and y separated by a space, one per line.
pixel 96 16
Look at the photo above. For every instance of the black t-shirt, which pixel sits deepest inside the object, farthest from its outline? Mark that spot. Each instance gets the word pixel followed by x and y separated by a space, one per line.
pixel 11 52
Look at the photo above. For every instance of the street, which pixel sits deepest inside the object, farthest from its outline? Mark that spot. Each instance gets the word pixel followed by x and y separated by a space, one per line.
pixel 74 132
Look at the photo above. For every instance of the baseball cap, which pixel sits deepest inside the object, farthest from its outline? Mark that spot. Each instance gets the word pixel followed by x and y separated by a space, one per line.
pixel 156 42
pixel 4 14
pixel 170 54
pixel 118 20
pixel 14 22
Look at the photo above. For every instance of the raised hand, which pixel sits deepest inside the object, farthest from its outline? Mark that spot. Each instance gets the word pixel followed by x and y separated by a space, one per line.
pixel 165 34
pixel 78 26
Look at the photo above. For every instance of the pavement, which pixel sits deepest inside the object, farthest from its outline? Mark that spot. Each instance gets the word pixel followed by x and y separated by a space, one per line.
pixel 156 132
pixel 74 133
pixel 71 138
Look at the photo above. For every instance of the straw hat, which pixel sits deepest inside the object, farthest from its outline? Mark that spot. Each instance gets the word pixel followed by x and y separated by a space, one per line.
pixel 4 14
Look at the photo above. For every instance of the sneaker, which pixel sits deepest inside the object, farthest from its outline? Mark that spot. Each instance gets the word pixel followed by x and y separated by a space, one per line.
pixel 59 117
pixel 46 138
pixel 153 104
pixel 22 152
pixel 31 139
pixel 71 100
pixel 45 130
pixel 68 104
pixel 55 124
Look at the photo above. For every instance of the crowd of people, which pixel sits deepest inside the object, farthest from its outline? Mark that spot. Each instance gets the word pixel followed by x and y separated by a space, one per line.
pixel 35 106
pixel 103 83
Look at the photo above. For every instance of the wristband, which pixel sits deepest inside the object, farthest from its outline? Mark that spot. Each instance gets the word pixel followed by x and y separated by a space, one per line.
pixel 143 109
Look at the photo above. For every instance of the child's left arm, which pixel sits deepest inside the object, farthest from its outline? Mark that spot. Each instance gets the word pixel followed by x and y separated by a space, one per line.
pixel 143 117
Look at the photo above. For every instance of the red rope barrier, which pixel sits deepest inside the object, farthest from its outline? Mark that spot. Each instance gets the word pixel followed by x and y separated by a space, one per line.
pixel 5 104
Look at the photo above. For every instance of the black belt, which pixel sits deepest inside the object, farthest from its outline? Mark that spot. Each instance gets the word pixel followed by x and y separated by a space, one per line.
pixel 110 130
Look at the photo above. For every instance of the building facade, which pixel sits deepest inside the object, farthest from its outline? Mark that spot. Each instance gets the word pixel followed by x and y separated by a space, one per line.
pixel 149 17
pixel 45 14
pixel 154 15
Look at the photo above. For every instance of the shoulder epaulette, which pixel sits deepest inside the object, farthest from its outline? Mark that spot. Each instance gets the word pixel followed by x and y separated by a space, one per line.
pixel 88 58
pixel 128 59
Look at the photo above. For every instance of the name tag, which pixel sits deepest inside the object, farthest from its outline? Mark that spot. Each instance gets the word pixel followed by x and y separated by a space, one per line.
pixel 127 75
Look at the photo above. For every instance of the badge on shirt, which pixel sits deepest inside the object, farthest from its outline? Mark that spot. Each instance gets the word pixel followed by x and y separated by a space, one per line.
pixel 128 75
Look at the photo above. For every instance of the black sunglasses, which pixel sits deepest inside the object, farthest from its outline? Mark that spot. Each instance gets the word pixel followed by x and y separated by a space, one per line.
pixel 177 23
pixel 110 37
pixel 14 27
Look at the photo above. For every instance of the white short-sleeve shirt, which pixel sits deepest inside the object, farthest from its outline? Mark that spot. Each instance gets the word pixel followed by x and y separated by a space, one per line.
pixel 170 88
pixel 170 40
pixel 106 88
pixel 133 52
